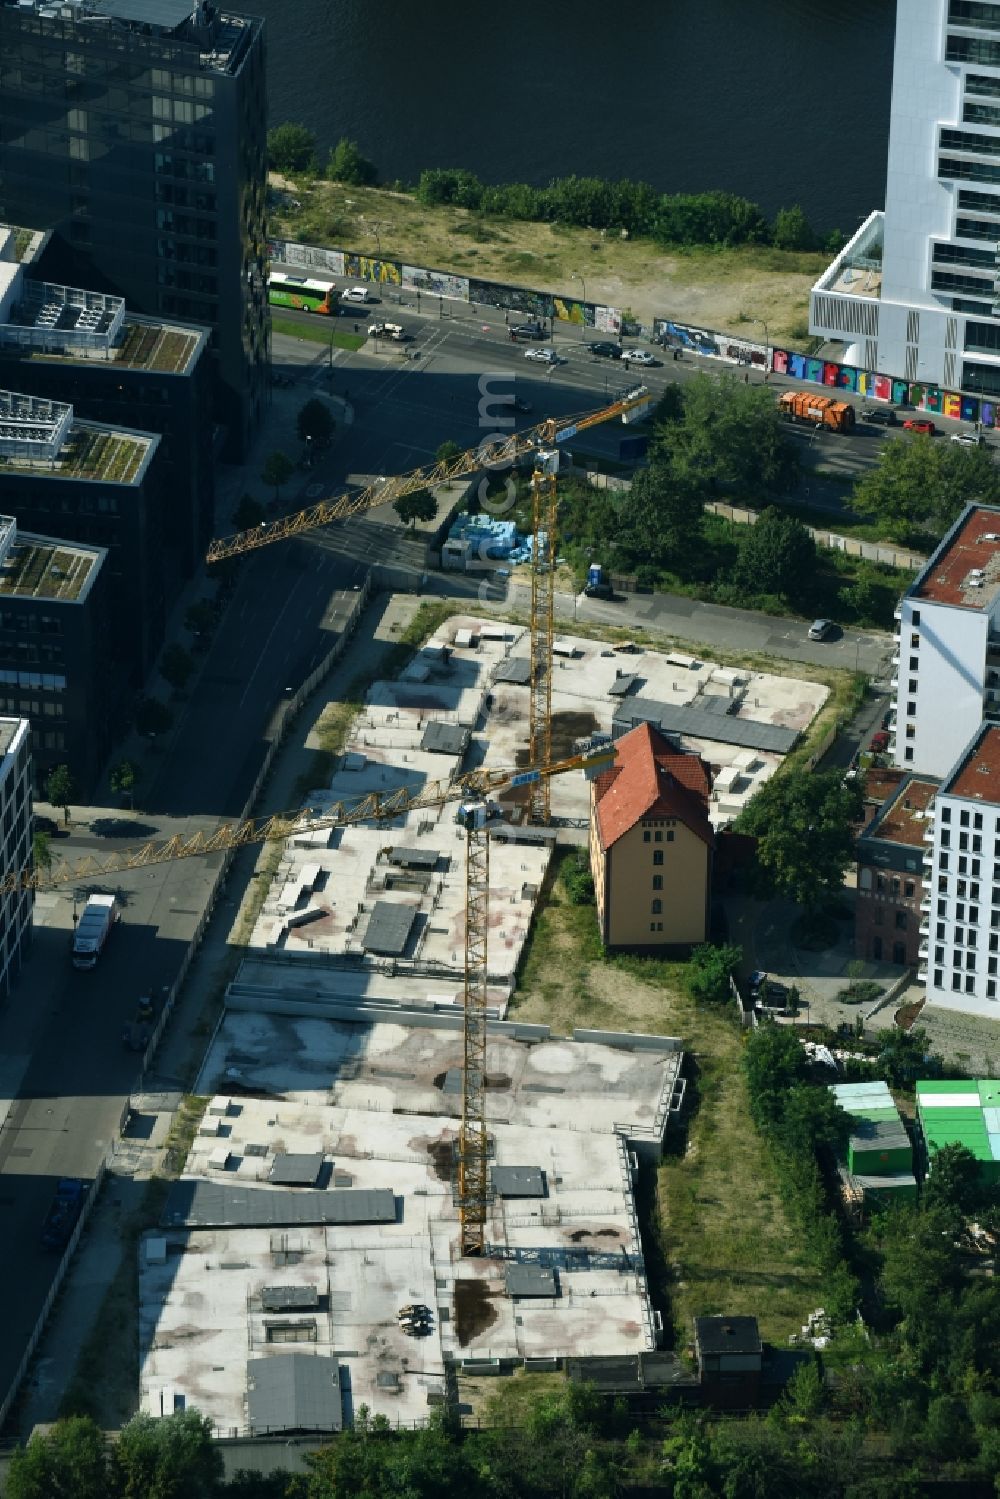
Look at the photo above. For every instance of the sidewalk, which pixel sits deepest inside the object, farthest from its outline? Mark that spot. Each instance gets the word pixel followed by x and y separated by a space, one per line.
pixel 277 433
pixel 194 1018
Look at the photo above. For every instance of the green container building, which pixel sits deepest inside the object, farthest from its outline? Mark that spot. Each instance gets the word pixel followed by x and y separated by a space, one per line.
pixel 879 1153
pixel 962 1113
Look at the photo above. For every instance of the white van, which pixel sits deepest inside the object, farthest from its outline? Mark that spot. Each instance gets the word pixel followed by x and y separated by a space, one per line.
pixel 357 294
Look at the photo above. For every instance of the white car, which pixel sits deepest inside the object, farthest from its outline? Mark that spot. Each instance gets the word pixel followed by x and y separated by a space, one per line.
pixel 543 356
pixel 969 439
pixel 387 330
pixel 357 294
pixel 638 356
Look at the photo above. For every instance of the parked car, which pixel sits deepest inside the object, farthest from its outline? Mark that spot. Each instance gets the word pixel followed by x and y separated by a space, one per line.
pixel 820 629
pixel 521 406
pixel 527 330
pixel 605 351
pixel 879 416
pixel 879 742
pixel 543 356
pixel 358 294
pixel 919 424
pixel 969 439
pixel 638 356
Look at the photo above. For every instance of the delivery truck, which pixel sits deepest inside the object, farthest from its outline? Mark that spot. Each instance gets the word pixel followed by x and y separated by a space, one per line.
pixel 93 929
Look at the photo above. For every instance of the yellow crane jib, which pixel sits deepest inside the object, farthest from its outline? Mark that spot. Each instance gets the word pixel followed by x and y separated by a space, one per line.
pixel 495 451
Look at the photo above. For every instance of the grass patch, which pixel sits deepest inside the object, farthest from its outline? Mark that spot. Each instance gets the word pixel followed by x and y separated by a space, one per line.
pixel 709 285
pixel 331 729
pixel 317 333
pixel 182 1132
pixel 722 1242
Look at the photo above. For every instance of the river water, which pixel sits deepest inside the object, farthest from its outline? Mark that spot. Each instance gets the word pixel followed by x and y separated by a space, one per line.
pixel 783 101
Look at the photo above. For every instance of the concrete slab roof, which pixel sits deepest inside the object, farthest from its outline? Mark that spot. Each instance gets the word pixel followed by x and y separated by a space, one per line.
pixel 369 1099
pixel 294 1392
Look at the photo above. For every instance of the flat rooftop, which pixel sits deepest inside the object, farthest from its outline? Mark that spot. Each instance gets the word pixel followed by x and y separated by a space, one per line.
pixel 977 775
pixel 218 47
pixel 376 1101
pixel 99 453
pixel 41 567
pixel 965 569
pixel 903 819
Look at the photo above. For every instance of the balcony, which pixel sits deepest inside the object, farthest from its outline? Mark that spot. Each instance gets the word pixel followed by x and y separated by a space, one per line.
pixel 925 927
pixel 923 951
pixel 929 835
pixel 897 613
pixel 927 902
pixel 921 975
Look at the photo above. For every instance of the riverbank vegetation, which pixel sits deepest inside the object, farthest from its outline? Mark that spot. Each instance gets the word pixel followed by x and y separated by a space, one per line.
pixel 715 260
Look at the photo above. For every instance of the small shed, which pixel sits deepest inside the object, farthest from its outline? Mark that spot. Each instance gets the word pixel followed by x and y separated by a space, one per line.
pixel 729 1354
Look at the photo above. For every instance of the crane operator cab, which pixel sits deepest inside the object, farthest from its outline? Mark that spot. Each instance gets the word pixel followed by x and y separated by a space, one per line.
pixel 473 816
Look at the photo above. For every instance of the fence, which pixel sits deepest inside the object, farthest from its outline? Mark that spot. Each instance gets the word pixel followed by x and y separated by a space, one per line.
pixel 281 722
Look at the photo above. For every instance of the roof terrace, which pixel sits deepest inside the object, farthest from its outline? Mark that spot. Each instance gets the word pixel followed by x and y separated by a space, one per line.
pixel 38 436
pixel 42 567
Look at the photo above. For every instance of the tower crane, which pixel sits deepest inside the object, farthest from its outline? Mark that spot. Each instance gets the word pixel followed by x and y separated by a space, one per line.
pixel 542 441
pixel 477 814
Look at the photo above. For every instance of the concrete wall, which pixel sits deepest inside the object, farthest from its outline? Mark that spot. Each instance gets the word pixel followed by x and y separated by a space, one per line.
pixel 630 872
pixel 950 656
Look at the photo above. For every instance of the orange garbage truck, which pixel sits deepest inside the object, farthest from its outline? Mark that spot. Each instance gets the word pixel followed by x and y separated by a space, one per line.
pixel 817 411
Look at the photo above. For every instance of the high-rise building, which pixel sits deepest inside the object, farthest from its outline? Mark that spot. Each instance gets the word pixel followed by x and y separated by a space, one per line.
pixel 960 934
pixel 915 293
pixel 55 650
pixel 136 131
pixel 946 666
pixel 15 845
pixel 99 485
pixel 82 347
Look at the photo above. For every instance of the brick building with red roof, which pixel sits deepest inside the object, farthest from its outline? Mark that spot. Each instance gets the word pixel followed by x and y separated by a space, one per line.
pixel 651 845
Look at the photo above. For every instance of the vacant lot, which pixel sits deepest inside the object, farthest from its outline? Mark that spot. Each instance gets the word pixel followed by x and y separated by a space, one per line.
pixel 723 1228
pixel 728 290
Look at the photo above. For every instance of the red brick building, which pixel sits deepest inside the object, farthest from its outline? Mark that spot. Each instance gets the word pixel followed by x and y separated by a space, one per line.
pixel 891 873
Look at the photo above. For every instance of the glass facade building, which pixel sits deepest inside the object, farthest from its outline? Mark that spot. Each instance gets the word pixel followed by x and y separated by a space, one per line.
pixel 136 131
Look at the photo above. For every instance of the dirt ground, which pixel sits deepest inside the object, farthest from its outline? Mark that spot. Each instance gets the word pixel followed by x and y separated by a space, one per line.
pixel 732 291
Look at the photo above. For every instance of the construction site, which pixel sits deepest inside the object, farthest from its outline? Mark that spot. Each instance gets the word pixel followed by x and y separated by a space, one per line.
pixel 323 1212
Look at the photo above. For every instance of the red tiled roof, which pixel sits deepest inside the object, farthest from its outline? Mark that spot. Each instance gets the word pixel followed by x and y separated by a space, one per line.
pixel 651 779
pixel 978 776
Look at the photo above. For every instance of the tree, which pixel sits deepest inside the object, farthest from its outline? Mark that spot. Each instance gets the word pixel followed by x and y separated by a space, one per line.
pixel 918 487
pixel 200 617
pixel 732 437
pixel 905 1055
pixel 448 452
pixel 776 556
pixel 421 505
pixel 773 1062
pixel 41 850
pixel 953 1185
pixel 803 822
pixel 69 1460
pixel 60 788
pixel 315 423
pixel 278 469
pixel 170 1457
pixel 661 518
pixel 123 779
pixel 176 666
pixel 792 230
pixel 291 148
pixel 248 514
pixel 709 972
pixel 152 717
pixel 346 164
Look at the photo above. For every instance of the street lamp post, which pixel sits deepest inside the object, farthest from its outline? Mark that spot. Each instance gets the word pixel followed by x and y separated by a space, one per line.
pixel 575 275
pixel 767 345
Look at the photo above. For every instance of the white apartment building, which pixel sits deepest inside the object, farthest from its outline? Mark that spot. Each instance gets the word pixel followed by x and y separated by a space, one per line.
pixel 960 911
pixel 15 844
pixel 946 666
pixel 914 295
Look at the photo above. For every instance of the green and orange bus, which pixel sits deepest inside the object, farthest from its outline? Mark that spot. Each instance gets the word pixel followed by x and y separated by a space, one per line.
pixel 305 295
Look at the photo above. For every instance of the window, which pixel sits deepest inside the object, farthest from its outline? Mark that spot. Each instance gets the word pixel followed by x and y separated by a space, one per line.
pixel 938 978
pixel 670 836
pixel 658 856
pixel 977 820
pixel 963 818
pixel 979 13
pixel 909 889
pixel 911 708
pixel 962 255
pixel 956 981
pixel 970 985
pixel 987 88
pixel 656 926
pixel 656 908
pixel 900 921
pixel 657 836
pixel 657 882
pixel 942 908
pixel 647 836
pixel 894 884
pixel 879 916
pixel 940 931
pixel 946 814
pixel 943 861
pixel 963 840
pixel 991 989
pixel 914 662
pixel 908 753
pixel 913 685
